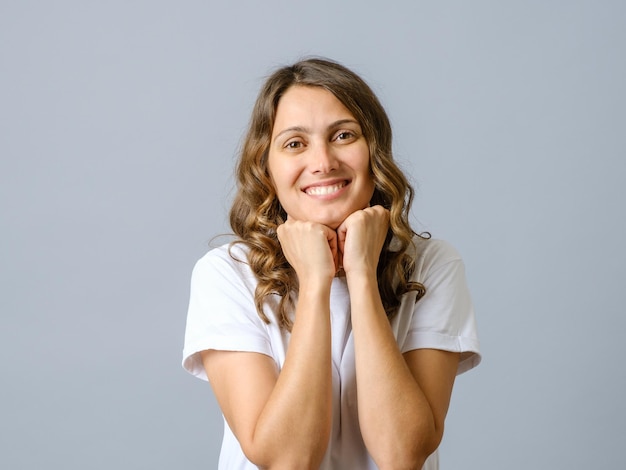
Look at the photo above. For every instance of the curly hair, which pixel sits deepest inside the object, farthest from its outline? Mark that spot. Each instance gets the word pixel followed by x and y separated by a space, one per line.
pixel 256 211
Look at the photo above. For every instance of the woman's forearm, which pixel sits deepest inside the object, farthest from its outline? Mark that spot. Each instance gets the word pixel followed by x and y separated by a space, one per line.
pixel 395 418
pixel 293 428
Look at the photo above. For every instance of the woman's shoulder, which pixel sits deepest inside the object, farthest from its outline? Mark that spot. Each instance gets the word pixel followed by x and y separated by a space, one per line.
pixel 227 258
pixel 230 252
pixel 431 254
pixel 434 249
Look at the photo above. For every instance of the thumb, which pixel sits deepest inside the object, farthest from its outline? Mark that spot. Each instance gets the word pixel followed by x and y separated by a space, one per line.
pixel 341 237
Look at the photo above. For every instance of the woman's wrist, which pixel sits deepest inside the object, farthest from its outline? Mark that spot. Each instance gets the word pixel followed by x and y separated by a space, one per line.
pixel 361 279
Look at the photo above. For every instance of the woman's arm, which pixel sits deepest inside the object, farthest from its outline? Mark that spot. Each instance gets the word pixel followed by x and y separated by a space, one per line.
pixel 402 400
pixel 283 419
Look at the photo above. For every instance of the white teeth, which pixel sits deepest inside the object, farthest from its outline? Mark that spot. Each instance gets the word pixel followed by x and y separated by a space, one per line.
pixel 322 190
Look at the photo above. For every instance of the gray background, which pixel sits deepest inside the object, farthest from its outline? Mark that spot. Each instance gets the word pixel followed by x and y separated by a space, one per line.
pixel 119 123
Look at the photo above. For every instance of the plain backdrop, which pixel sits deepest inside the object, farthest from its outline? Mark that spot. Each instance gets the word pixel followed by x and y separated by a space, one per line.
pixel 119 126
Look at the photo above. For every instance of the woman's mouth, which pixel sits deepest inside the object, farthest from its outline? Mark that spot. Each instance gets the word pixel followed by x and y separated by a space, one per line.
pixel 324 189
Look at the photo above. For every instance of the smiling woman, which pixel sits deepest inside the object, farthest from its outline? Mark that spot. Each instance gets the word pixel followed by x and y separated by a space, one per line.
pixel 318 158
pixel 327 307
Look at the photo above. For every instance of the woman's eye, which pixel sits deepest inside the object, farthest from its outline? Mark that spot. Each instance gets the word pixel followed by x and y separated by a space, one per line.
pixel 344 135
pixel 294 144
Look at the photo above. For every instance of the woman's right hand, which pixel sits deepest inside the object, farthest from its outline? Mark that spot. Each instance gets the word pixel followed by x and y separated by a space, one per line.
pixel 310 248
pixel 283 417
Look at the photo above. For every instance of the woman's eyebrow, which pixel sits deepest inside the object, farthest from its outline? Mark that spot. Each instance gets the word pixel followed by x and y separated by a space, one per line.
pixel 306 130
pixel 341 122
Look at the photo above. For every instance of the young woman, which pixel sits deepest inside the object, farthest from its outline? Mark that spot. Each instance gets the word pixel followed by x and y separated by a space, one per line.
pixel 330 332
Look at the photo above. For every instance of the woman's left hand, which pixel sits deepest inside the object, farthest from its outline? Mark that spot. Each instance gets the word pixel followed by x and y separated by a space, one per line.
pixel 361 237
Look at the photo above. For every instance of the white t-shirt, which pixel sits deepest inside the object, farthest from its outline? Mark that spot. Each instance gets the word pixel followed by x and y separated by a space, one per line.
pixel 222 316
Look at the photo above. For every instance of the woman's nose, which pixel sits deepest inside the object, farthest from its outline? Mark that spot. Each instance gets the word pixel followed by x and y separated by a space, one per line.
pixel 323 159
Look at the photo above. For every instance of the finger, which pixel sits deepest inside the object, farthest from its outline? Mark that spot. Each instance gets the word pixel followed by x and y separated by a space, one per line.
pixel 342 231
pixel 331 236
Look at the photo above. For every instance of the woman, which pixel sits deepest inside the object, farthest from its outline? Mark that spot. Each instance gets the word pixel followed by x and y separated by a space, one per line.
pixel 330 332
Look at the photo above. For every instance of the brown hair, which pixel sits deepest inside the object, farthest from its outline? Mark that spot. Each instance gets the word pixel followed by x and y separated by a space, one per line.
pixel 256 211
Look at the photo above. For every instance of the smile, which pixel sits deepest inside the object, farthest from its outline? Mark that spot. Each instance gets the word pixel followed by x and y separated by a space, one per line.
pixel 324 190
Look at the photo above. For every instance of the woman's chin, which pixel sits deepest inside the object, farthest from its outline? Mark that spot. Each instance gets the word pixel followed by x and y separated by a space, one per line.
pixel 331 223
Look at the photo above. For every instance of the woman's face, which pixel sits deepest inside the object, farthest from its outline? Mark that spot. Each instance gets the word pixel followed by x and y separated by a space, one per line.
pixel 318 158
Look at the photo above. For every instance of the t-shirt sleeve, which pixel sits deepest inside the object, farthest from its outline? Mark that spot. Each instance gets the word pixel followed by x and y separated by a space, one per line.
pixel 444 318
pixel 221 313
